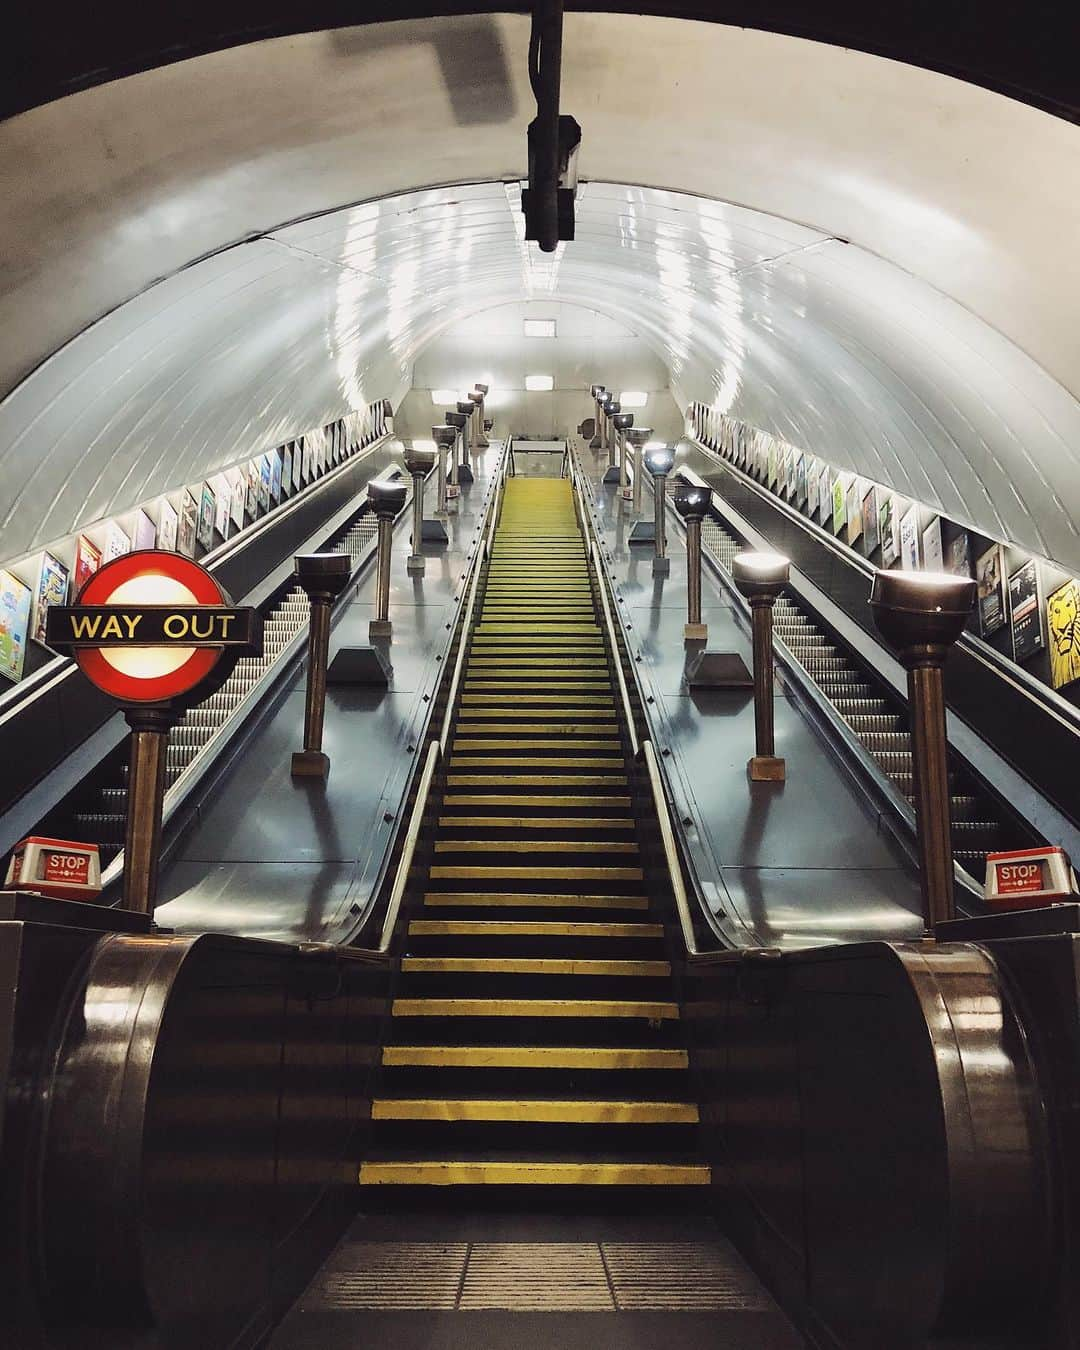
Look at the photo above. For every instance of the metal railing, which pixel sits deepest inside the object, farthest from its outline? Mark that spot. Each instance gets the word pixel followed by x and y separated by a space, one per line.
pixel 644 749
pixel 437 748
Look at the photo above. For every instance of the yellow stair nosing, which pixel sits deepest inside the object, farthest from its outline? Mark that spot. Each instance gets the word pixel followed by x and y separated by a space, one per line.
pixel 530 900
pixel 651 1010
pixel 527 1173
pixel 535 846
pixel 536 822
pixel 464 872
pixel 598 1058
pixel 531 928
pixel 534 965
pixel 539 1110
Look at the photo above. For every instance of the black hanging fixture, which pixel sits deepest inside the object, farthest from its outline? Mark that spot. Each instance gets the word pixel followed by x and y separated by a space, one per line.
pixel 548 201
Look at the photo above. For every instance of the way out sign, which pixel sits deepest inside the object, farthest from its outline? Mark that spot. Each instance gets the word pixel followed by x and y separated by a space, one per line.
pixel 153 627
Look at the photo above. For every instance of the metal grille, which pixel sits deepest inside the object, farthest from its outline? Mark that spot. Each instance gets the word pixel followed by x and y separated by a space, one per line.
pixel 536 1277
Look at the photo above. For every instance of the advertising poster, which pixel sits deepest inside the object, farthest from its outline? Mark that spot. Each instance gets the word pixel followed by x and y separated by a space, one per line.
pixel 251 496
pixel 958 561
pixel 309 459
pixel 266 475
pixel 889 530
pixel 116 542
pixel 14 625
pixel 222 504
pixel 298 464
pixel 854 511
pixel 189 525
pixel 204 530
pixel 909 540
pixel 275 476
pixel 800 479
pixel 771 469
pixel 825 488
pixel 145 531
pixel 167 526
pixel 787 482
pixel 52 590
pixel 870 521
pixel 932 553
pixel 839 504
pixel 813 473
pixel 990 580
pixel 238 493
pixel 1025 611
pixel 1063 623
pixel 286 470
pixel 87 562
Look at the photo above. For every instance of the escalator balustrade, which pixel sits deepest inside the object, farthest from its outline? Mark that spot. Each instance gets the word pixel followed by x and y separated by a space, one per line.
pixel 535 1037
pixel 976 827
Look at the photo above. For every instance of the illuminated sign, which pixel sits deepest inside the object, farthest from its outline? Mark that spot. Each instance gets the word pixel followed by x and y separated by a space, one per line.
pixel 152 627
pixel 1029 877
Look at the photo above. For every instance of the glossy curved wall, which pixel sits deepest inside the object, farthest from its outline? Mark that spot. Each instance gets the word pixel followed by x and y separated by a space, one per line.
pixel 891 292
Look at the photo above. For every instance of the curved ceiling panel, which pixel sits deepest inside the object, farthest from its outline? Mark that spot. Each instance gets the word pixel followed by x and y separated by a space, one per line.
pixel 112 189
pixel 812 338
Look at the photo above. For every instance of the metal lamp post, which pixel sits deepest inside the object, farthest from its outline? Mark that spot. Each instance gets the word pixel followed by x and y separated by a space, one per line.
pixel 468 410
pixel 638 438
pixel 920 615
pixel 323 577
pixel 659 461
pixel 458 421
pixel 386 500
pixel 692 503
pixel 445 438
pixel 620 425
pixel 761 577
pixel 478 394
pixel 418 463
pixel 597 392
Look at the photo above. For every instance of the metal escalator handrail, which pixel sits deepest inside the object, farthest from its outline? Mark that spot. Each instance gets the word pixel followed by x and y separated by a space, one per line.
pixel 645 750
pixel 609 624
pixel 437 748
pixel 412 836
pixel 671 852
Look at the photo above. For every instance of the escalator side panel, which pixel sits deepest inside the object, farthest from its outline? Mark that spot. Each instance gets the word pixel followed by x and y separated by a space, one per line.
pixel 877 1113
pixel 206 1094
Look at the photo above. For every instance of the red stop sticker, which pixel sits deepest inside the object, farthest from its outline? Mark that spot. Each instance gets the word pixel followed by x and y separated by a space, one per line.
pixel 1019 877
pixel 73 868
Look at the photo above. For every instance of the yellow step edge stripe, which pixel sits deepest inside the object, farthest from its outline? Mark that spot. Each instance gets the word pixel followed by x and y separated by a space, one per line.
pixel 532 799
pixel 535 780
pixel 535 822
pixel 530 928
pixel 532 1174
pixel 539 1111
pixel 534 846
pixel 466 873
pixel 510 900
pixel 532 965
pixel 600 1058
pixel 652 1010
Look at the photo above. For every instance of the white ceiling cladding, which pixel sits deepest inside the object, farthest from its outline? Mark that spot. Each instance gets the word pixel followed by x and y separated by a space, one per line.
pixel 895 289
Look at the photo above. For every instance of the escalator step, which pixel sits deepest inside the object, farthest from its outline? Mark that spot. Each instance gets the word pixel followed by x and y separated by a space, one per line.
pixel 535 822
pixel 543 1110
pixel 647 1010
pixel 609 1059
pixel 525 900
pixel 532 1173
pixel 525 928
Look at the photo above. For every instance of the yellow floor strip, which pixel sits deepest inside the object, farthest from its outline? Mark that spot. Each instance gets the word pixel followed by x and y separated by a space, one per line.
pixel 600 716
pixel 599 1058
pixel 532 965
pixel 532 1174
pixel 604 730
pixel 650 1010
pixel 543 1112
pixel 536 780
pixel 534 763
pixel 530 928
pixel 580 700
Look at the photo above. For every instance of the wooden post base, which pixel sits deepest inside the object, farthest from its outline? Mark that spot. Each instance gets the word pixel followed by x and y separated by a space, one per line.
pixel 695 632
pixel 310 764
pixel 766 769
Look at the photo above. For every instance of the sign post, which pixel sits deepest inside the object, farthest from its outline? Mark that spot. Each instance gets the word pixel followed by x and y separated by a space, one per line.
pixel 158 634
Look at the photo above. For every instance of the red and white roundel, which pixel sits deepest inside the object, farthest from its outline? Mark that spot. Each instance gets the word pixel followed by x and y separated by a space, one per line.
pixel 149 674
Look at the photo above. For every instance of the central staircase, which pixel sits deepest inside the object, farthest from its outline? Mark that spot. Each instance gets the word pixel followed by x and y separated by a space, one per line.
pixel 535 1040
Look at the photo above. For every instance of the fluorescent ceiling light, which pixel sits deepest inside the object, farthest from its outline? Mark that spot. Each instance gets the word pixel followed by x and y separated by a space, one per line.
pixel 539 383
pixel 633 398
pixel 539 327
pixel 444 396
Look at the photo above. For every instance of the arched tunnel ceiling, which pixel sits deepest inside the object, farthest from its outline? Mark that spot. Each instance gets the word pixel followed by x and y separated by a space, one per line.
pixel 900 355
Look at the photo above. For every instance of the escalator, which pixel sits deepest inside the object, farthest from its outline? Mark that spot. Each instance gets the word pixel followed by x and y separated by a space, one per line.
pixel 879 722
pixel 535 1007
